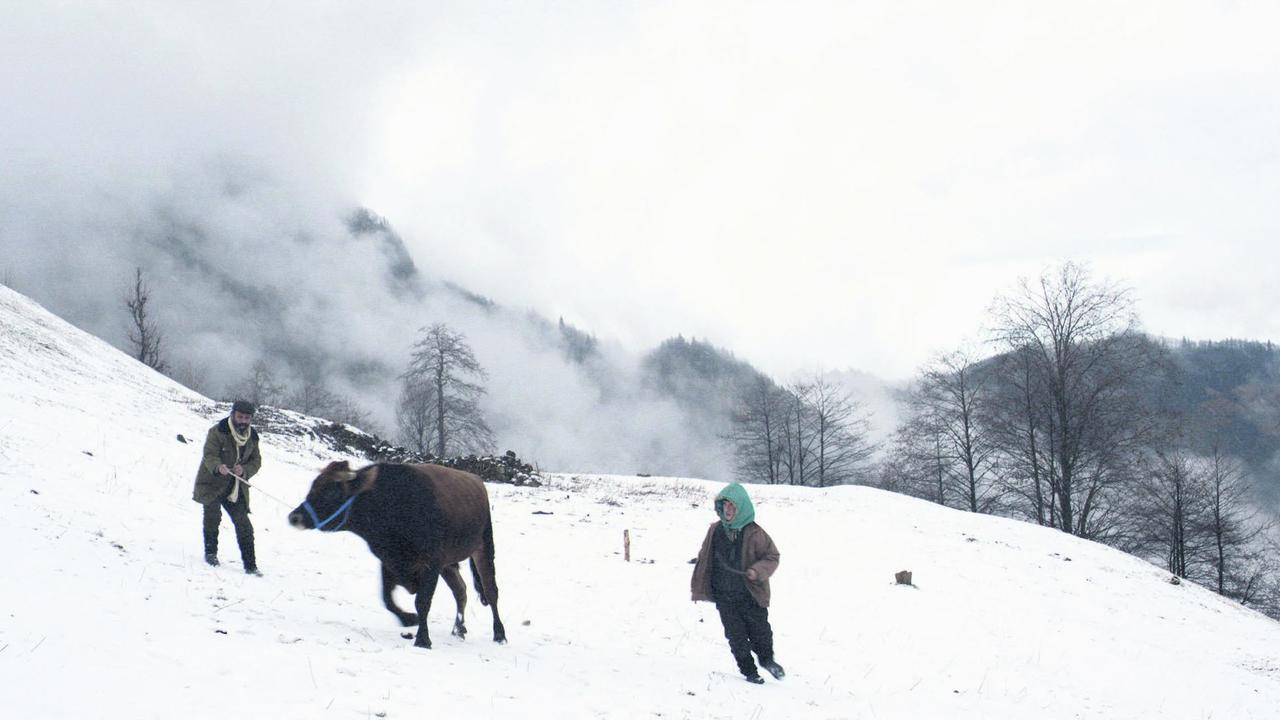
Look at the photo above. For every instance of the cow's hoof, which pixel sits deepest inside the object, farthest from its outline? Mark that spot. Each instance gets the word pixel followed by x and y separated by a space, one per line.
pixel 423 642
pixel 460 631
pixel 408 619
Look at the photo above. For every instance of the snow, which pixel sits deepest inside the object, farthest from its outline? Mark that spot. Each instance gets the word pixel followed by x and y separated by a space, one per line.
pixel 107 609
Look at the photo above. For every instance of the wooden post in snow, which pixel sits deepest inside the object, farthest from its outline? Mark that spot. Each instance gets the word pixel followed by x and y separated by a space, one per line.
pixel 626 545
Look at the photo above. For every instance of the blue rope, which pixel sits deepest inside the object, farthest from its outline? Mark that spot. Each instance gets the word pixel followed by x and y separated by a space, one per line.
pixel 319 525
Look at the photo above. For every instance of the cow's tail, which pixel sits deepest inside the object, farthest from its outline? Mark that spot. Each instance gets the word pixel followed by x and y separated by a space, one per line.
pixel 481 586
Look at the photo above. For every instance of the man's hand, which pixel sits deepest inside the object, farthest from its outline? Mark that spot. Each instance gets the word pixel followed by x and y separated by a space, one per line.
pixel 238 470
pixel 751 574
pixel 223 470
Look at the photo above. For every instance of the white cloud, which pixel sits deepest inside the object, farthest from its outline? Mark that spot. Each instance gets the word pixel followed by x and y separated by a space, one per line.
pixel 716 169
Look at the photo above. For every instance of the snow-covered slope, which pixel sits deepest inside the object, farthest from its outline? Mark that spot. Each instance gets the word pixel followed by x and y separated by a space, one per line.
pixel 108 611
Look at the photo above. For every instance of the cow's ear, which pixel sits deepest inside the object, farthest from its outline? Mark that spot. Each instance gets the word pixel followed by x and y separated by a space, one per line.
pixel 339 471
pixel 336 468
pixel 365 479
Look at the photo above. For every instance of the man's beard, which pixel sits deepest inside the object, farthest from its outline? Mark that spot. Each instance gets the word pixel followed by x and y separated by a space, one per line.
pixel 242 427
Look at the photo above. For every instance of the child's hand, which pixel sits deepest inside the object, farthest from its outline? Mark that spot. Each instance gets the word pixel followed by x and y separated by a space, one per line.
pixel 751 574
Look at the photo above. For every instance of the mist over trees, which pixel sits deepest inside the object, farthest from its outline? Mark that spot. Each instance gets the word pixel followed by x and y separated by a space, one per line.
pixel 312 397
pixel 1079 422
pixel 1196 515
pixel 232 299
pixel 946 438
pixel 810 432
pixel 259 386
pixel 756 433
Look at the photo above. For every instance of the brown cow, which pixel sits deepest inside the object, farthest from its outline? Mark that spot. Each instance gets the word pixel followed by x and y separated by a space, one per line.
pixel 420 521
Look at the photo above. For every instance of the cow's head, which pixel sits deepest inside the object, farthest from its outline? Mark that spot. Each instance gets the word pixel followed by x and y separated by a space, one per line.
pixel 332 494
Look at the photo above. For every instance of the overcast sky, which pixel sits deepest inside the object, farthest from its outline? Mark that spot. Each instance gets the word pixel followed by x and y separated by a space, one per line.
pixel 835 185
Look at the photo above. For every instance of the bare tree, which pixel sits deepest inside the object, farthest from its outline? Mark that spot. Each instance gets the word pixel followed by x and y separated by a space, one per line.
pixel 1257 576
pixel 144 336
pixel 1172 511
pixel 1196 515
pixel 1018 422
pixel 796 442
pixel 260 386
pixel 840 429
pixel 811 432
pixel 345 411
pixel 438 390
pixel 313 398
pixel 415 413
pixel 1235 528
pixel 1088 360
pixel 951 401
pixel 755 431
pixel 916 464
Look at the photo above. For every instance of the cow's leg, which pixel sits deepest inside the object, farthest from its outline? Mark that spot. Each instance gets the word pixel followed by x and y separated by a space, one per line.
pixel 487 584
pixel 422 601
pixel 453 579
pixel 389 584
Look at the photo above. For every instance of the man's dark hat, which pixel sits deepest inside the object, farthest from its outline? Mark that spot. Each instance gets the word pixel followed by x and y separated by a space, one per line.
pixel 242 406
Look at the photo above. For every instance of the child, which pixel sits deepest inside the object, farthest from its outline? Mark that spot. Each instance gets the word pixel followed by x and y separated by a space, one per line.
pixel 733 570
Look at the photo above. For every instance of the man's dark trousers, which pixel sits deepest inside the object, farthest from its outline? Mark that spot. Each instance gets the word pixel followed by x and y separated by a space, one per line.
pixel 239 512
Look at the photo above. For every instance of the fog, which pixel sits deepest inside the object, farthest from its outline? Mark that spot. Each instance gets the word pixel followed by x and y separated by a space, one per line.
pixel 831 184
pixel 210 147
pixel 239 272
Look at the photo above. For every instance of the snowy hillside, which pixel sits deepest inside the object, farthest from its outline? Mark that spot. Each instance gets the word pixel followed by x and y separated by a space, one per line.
pixel 107 609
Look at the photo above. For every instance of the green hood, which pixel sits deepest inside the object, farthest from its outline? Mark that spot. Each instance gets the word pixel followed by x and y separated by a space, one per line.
pixel 737 495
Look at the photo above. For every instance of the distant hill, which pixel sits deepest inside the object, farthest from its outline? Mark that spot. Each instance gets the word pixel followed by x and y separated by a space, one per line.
pixel 698 375
pixel 239 281
pixel 1229 395
pixel 338 301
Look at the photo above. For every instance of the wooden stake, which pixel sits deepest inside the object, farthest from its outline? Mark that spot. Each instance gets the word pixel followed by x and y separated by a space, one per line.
pixel 626 545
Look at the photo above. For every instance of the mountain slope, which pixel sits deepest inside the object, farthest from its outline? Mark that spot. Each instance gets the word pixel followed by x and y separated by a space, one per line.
pixel 107 610
pixel 323 296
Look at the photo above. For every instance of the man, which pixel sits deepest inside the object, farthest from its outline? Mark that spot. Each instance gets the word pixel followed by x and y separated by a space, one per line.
pixel 732 570
pixel 230 455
